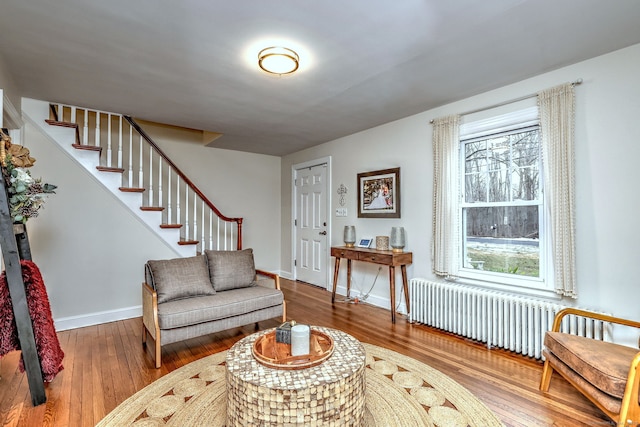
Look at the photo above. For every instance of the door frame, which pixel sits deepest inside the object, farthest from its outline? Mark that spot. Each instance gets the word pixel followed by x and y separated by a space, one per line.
pixel 10 118
pixel 294 248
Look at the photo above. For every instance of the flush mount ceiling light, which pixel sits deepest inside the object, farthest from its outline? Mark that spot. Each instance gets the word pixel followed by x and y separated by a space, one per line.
pixel 278 60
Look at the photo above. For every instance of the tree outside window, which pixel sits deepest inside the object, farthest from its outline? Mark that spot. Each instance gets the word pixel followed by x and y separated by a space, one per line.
pixel 502 202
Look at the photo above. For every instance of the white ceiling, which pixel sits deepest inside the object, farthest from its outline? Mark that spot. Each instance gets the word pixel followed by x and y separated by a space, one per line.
pixel 193 63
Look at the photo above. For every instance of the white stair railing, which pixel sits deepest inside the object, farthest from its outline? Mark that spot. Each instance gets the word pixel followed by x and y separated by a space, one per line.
pixel 149 171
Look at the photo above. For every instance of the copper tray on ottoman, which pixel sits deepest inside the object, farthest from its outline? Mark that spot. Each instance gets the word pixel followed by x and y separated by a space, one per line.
pixel 278 355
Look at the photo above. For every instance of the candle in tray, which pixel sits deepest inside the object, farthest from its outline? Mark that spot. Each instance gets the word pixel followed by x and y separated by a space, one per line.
pixel 300 340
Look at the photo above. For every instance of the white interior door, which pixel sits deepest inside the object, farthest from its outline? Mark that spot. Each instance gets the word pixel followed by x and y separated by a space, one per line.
pixel 311 225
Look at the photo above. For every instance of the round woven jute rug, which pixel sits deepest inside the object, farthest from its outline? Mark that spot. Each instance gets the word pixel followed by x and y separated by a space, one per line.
pixel 400 391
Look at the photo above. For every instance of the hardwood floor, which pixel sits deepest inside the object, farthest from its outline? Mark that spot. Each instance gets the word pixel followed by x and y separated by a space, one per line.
pixel 105 364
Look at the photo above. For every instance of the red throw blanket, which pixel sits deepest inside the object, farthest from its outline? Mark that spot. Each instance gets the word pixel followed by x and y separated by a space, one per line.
pixel 47 344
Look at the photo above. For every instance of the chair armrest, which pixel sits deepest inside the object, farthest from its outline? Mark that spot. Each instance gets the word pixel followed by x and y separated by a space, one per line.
pixel 150 310
pixel 275 277
pixel 557 322
pixel 630 398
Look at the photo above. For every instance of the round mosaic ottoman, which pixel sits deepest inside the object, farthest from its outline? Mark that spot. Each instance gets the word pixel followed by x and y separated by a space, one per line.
pixel 332 392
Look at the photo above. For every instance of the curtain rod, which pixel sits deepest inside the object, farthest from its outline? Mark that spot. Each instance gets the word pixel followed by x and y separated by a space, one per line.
pixel 522 98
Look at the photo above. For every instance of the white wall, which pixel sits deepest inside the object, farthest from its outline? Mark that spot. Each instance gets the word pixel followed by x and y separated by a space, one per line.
pixel 608 202
pixel 91 249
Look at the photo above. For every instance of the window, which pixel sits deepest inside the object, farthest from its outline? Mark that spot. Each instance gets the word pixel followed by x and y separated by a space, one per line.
pixel 489 207
pixel 501 204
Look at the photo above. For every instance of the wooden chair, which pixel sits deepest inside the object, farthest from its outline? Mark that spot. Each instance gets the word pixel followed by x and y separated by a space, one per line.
pixel 607 374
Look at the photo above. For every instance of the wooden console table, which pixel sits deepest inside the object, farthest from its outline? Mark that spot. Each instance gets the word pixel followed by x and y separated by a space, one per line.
pixel 389 258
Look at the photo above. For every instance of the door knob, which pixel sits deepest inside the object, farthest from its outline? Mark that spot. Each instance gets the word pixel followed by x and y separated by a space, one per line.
pixel 323 233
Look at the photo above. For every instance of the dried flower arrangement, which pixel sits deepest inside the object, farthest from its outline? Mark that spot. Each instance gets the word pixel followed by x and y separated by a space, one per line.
pixel 26 195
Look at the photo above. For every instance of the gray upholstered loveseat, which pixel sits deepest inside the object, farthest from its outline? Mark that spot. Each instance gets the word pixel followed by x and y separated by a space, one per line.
pixel 184 298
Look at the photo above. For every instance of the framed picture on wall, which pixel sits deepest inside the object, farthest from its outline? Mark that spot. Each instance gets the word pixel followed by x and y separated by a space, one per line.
pixel 379 194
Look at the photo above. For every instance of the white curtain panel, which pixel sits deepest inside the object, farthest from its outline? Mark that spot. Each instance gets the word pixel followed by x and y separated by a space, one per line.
pixel 446 191
pixel 557 107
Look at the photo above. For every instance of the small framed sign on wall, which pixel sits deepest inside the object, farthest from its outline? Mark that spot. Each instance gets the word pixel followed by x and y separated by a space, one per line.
pixel 379 194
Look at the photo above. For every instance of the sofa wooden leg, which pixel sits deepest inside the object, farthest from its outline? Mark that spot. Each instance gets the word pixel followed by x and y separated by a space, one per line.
pixel 284 311
pixel 547 370
pixel 144 336
pixel 158 354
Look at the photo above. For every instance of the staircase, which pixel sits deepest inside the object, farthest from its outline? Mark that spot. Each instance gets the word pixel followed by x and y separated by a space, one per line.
pixel 121 156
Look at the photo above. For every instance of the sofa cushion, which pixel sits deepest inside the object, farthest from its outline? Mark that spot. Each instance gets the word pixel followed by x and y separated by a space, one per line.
pixel 234 302
pixel 584 356
pixel 180 278
pixel 231 269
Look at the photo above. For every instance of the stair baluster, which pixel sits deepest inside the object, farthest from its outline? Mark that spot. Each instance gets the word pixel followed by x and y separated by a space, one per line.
pixel 130 174
pixel 109 153
pixel 120 142
pixel 150 174
pixel 96 140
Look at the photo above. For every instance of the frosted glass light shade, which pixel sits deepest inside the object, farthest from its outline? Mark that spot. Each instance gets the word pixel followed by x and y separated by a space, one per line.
pixel 349 235
pixel 397 239
pixel 278 60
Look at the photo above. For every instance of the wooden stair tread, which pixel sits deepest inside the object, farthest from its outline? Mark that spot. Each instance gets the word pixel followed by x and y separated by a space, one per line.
pixel 109 169
pixel 63 124
pixel 188 242
pixel 86 147
pixel 152 208
pixel 170 225
pixel 131 190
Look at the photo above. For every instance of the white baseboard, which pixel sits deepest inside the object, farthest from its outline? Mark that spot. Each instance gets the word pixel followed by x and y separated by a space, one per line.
pixel 285 274
pixel 73 322
pixel 371 299
pixel 374 300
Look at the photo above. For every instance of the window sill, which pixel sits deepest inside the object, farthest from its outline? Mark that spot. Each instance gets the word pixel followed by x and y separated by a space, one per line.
pixel 520 286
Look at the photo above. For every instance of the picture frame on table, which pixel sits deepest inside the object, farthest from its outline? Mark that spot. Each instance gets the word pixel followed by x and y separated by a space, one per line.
pixel 364 242
pixel 379 194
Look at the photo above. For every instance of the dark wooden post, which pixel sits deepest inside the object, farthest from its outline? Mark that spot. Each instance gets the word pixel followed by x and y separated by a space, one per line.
pixel 19 299
pixel 22 240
